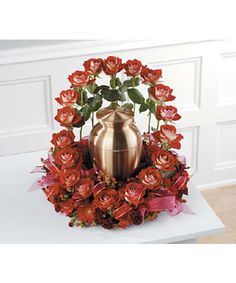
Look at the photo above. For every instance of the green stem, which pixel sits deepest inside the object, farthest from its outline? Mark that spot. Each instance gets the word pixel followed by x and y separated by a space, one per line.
pixel 92 119
pixel 132 79
pixel 158 123
pixel 82 102
pixel 82 98
pixel 81 132
pixel 149 122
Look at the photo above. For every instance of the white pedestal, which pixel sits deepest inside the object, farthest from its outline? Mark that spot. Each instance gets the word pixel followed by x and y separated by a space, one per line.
pixel 29 218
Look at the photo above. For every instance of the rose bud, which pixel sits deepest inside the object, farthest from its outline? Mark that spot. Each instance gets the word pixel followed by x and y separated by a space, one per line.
pixel 112 65
pixel 80 79
pixel 106 199
pixel 133 67
pixel 161 92
pixel 68 117
pixel 69 177
pixel 150 76
pixel 68 97
pixel 167 113
pixel 151 178
pixel 67 157
pixel 93 66
pixel 167 134
pixel 134 193
pixel 63 139
pixel 164 160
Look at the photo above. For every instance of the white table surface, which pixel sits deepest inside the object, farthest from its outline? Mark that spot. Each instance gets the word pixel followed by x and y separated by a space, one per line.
pixel 27 217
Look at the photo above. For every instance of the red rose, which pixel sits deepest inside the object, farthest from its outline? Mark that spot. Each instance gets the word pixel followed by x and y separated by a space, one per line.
pixel 69 177
pixel 67 157
pixel 85 187
pixel 133 67
pixel 67 97
pixel 134 193
pixel 150 76
pixel 67 117
pixel 93 66
pixel 167 134
pixel 164 160
pixel 167 113
pixel 161 92
pixel 151 178
pixel 80 78
pixel 112 65
pixel 86 213
pixel 105 199
pixel 63 139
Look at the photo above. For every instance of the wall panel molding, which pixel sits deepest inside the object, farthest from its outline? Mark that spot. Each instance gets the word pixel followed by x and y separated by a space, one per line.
pixel 24 130
pixel 227 80
pixel 224 145
pixel 194 147
pixel 197 75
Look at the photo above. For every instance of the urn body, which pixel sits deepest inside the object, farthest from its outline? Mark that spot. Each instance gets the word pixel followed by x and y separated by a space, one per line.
pixel 115 142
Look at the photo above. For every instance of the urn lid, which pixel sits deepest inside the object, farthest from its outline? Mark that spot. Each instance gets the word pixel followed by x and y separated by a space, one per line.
pixel 117 114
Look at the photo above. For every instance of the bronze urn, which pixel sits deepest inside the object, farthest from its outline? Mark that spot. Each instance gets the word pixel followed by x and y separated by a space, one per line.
pixel 115 142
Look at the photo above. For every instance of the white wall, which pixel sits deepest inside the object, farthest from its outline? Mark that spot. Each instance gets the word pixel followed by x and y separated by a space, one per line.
pixel 202 74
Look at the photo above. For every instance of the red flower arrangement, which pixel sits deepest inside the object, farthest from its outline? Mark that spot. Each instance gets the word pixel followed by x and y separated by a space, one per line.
pixel 90 197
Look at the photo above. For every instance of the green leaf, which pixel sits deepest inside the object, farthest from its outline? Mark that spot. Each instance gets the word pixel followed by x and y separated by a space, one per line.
pixel 127 83
pixel 118 82
pixel 123 88
pixel 152 107
pixel 91 88
pixel 113 82
pixel 143 107
pixel 111 94
pixel 153 129
pixel 85 98
pixel 80 124
pixel 136 81
pixel 85 112
pixel 101 87
pixel 128 106
pixel 165 146
pixel 95 102
pixel 135 95
pixel 167 174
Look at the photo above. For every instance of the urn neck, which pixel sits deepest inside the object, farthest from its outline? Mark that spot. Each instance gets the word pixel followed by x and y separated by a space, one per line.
pixel 115 117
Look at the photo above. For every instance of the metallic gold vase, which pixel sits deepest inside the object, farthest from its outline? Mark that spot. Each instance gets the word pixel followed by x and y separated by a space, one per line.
pixel 115 142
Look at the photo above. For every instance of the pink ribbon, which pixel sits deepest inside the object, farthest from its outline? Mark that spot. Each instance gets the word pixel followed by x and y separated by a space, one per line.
pixel 161 203
pixel 179 183
pixel 98 188
pixel 169 204
pixel 38 169
pixel 43 182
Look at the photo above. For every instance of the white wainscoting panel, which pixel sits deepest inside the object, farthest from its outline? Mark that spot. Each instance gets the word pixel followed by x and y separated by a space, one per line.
pixel 202 74
pixel 226 141
pixel 183 72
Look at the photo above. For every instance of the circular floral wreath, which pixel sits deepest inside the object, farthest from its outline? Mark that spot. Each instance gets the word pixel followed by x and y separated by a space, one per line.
pixel 90 197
